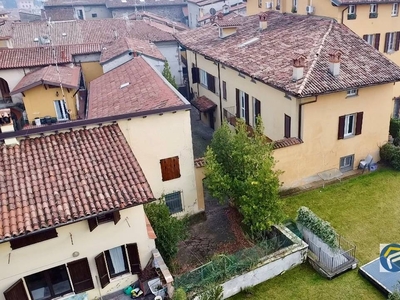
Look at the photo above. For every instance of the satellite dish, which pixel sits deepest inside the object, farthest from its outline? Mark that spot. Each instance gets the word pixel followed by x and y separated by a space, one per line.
pixel 212 11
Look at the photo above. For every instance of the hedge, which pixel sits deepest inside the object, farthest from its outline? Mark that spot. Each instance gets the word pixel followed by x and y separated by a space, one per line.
pixel 390 154
pixel 319 227
pixel 394 129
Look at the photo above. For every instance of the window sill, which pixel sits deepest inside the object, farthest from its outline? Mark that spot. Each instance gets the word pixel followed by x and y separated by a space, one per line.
pixel 204 86
pixel 395 15
pixel 66 296
pixel 119 277
pixel 351 96
pixel 349 136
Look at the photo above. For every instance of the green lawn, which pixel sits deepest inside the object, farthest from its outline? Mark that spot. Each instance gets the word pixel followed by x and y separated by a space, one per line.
pixel 366 211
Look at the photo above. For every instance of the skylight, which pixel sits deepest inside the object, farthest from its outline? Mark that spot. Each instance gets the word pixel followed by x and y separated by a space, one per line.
pixel 249 42
pixel 124 85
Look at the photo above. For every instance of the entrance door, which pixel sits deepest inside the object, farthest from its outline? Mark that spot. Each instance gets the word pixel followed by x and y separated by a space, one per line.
pixel 211 118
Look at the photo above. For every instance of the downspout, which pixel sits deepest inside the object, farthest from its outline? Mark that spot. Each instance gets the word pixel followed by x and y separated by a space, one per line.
pixel 343 14
pixel 198 88
pixel 220 94
pixel 300 113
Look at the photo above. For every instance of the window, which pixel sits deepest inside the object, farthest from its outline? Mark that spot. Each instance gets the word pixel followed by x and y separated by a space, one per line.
pixel 61 110
pixel 294 5
pixel 350 125
pixel 242 106
pixel 195 74
pixel 395 9
pixel 114 262
pixel 346 163
pixel 49 284
pixel 353 92
pixel 351 13
pixel 104 218
pixel 256 110
pixel 203 77
pixel 373 10
pixel 79 13
pixel 170 168
pixel 392 41
pixel 174 202
pixel 210 82
pixel 224 95
pixel 369 38
pixel 288 123
pixel 94 15
pixel 33 238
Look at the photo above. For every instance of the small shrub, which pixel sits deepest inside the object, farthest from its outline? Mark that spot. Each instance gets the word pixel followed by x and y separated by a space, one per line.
pixel 319 227
pixel 212 293
pixel 179 295
pixel 394 129
pixel 248 291
pixel 387 152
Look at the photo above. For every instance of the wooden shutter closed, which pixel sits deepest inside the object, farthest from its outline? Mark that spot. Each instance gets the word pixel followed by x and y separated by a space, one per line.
pixel 377 40
pixel 288 123
pixel 224 90
pixel 117 216
pixel 237 103
pixel 33 238
pixel 247 112
pixel 134 258
pixel 92 222
pixel 359 122
pixel 81 277
pixel 195 75
pixel 387 35
pixel 397 42
pixel 16 291
pixel 341 127
pixel 170 168
pixel 365 37
pixel 211 82
pixel 102 270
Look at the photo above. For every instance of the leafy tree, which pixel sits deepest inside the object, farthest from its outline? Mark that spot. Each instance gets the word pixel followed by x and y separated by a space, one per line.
pixel 168 75
pixel 240 168
pixel 169 230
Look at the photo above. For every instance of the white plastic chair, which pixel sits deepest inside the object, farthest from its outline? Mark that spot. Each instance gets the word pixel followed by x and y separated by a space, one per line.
pixel 365 163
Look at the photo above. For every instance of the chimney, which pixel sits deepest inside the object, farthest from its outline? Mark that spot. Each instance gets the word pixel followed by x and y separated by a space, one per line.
pixel 298 67
pixel 334 62
pixel 220 16
pixel 63 56
pixel 7 125
pixel 263 20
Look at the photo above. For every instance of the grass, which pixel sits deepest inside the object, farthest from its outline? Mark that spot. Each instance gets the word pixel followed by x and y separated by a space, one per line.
pixel 365 210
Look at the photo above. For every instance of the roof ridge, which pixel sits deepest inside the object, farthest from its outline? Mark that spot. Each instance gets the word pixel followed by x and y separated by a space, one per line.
pixel 310 70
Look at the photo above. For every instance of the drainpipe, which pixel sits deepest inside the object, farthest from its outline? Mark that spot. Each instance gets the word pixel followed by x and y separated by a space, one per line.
pixel 300 112
pixel 343 14
pixel 198 88
pixel 220 94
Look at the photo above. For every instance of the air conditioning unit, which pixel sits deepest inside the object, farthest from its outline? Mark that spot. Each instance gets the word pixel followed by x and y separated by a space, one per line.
pixel 268 5
pixel 310 9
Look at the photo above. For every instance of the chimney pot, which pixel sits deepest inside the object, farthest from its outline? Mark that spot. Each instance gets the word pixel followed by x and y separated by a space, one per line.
pixel 63 56
pixel 220 16
pixel 263 20
pixel 298 67
pixel 334 62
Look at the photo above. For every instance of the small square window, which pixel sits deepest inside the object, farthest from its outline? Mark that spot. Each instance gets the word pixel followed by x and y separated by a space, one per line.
pixel 174 202
pixel 346 163
pixel 352 92
pixel 94 15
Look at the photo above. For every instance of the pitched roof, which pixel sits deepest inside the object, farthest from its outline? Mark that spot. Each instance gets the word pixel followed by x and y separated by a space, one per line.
pixel 42 56
pixel 70 77
pixel 232 9
pixel 78 32
pixel 66 177
pixel 72 2
pixel 268 55
pixel 286 142
pixel 349 2
pixel 199 162
pixel 145 90
pixel 203 104
pixel 123 45
pixel 58 13
pixel 140 3
pixel 148 16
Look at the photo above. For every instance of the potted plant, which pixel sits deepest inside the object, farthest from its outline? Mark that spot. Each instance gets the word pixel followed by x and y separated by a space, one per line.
pixel 294 9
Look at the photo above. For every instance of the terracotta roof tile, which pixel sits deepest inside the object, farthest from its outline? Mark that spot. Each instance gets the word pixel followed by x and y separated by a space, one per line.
pixel 70 77
pixel 148 16
pixel 66 177
pixel 268 54
pixel 150 231
pixel 199 162
pixel 58 13
pixel 231 10
pixel 123 45
pixel 146 91
pixel 286 142
pixel 229 21
pixel 50 3
pixel 203 104
pixel 138 3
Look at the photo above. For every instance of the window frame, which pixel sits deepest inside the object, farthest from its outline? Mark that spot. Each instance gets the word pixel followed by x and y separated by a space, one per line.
pixel 351 11
pixel 61 105
pixel 242 98
pixel 373 8
pixel 347 123
pixel 395 10
pixel 352 92
pixel 224 90
pixel 370 39
pixel 287 130
pixel 169 199
pixel 254 106
pixel 110 264
pixel 203 78
pixel 391 42
pixel 346 167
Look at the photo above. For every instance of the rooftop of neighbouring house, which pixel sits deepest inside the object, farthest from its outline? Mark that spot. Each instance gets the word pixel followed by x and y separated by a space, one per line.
pixel 69 76
pixel 113 3
pixel 151 17
pixel 73 2
pixel 232 10
pixel 56 13
pixel 54 187
pixel 123 45
pixel 132 87
pixel 78 32
pixel 268 55
pixel 356 2
pixel 204 2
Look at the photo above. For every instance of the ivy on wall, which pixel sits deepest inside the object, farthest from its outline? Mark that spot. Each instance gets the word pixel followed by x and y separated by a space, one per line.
pixel 319 227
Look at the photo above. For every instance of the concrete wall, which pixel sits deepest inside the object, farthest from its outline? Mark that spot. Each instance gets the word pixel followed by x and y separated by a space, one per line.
pixel 13 77
pixel 102 12
pixel 173 12
pixel 155 63
pixel 161 136
pixel 16 264
pixel 170 50
pixel 39 102
pixel 91 71
pixel 193 14
pixel 116 62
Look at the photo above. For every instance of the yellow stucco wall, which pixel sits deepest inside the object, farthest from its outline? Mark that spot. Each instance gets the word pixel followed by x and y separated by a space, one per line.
pixel 39 102
pixel 91 71
pixel 321 149
pixel 16 264
pixel 199 172
pixel 161 136
pixel 274 104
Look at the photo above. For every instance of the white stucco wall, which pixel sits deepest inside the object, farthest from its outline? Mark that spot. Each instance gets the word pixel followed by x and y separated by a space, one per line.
pixel 13 76
pixel 16 264
pixel 102 12
pixel 116 62
pixel 171 52
pixel 162 136
pixel 193 14
pixel 155 63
